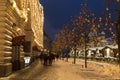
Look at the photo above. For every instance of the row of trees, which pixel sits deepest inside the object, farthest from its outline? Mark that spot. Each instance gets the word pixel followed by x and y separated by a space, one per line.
pixel 84 27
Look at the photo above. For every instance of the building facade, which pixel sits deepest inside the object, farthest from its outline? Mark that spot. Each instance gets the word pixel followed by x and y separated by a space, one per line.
pixel 21 28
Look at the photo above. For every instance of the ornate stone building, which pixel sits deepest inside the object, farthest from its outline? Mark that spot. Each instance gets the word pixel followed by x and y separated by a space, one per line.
pixel 21 28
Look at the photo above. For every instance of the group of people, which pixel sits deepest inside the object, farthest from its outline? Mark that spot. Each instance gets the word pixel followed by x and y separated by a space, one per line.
pixel 47 57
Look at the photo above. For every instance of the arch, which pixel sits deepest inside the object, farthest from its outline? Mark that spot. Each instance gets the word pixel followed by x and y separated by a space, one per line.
pixel 19 40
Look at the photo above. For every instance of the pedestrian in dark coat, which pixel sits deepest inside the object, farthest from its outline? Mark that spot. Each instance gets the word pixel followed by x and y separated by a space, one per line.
pixel 41 57
pixel 50 58
pixel 45 59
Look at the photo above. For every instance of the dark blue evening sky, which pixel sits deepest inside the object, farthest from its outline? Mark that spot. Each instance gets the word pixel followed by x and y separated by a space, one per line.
pixel 59 12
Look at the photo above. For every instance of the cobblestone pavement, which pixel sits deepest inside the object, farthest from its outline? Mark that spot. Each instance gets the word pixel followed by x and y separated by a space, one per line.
pixel 60 70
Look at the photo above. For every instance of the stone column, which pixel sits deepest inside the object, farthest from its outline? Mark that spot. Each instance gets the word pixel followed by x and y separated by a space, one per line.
pixel 5 39
pixel 18 57
pixel 15 58
pixel 28 44
pixel 22 62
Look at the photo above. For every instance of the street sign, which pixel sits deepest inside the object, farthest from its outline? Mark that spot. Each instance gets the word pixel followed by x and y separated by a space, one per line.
pixel 27 60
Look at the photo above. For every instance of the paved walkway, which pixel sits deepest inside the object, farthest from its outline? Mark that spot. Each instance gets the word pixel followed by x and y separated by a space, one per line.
pixel 60 70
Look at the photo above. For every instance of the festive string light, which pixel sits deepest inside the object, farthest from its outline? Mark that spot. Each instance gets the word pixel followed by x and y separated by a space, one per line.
pixel 107 9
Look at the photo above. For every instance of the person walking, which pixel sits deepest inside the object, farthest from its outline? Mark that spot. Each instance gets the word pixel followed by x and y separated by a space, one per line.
pixel 50 58
pixel 45 58
pixel 41 57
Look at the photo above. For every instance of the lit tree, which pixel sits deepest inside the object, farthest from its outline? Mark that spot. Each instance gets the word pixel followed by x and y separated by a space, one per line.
pixel 67 39
pixel 63 40
pixel 83 23
pixel 111 2
pixel 58 43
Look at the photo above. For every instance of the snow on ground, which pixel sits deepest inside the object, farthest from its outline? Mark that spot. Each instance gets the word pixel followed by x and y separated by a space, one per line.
pixel 105 68
pixel 61 70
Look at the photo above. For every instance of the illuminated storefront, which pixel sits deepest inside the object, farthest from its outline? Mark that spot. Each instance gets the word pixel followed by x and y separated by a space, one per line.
pixel 21 24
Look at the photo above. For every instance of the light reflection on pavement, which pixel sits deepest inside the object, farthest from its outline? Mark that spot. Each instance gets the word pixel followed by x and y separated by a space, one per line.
pixel 60 70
